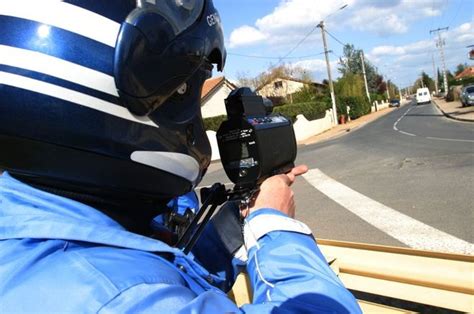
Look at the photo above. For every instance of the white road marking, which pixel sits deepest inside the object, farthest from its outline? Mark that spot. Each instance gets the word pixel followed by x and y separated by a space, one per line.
pixel 399 119
pixel 395 127
pixel 406 133
pixel 405 229
pixel 449 139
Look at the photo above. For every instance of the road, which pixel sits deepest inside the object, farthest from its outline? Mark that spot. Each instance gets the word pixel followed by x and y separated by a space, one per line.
pixel 406 179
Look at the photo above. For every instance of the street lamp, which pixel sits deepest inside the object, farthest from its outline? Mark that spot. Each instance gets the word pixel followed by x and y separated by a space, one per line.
pixel 331 87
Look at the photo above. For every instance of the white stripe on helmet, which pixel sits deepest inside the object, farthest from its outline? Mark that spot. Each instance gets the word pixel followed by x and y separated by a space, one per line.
pixel 42 63
pixel 66 16
pixel 71 96
pixel 178 164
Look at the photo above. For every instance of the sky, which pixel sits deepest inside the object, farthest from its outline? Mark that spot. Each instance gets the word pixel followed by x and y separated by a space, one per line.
pixel 394 35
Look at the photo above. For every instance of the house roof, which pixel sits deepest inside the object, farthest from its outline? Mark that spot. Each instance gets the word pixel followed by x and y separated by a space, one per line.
pixel 468 72
pixel 289 79
pixel 212 84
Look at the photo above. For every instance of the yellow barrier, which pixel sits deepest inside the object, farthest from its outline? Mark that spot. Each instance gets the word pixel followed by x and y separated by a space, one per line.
pixel 438 279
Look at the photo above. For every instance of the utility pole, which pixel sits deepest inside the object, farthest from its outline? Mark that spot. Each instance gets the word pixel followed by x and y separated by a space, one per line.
pixel 435 75
pixel 331 87
pixel 365 77
pixel 388 87
pixel 440 43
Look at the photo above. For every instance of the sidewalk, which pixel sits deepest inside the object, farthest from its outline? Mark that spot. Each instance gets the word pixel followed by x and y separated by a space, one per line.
pixel 454 110
pixel 342 129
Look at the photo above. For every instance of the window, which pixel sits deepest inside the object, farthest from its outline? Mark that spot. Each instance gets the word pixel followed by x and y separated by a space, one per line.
pixel 278 84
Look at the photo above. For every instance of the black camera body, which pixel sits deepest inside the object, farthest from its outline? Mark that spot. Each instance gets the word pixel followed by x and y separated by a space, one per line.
pixel 254 143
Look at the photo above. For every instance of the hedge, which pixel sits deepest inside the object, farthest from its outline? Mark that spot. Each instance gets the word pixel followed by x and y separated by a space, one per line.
pixel 213 123
pixel 311 110
pixel 359 106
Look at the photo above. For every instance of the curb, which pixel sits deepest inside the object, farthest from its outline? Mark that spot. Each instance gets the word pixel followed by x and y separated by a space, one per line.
pixel 450 116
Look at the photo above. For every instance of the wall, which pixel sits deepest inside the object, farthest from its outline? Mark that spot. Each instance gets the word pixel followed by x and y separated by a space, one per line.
pixel 380 106
pixel 214 105
pixel 211 135
pixel 304 128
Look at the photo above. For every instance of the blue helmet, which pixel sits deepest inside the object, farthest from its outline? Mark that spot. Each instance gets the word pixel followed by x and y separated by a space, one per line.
pixel 102 97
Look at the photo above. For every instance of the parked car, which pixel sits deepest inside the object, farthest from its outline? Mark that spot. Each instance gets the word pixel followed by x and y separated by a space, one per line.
pixel 467 96
pixel 423 95
pixel 394 103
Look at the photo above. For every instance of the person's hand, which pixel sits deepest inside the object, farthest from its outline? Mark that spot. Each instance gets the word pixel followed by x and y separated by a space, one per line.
pixel 275 192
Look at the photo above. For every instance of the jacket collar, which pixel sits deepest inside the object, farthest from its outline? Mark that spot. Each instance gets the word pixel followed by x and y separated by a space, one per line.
pixel 26 212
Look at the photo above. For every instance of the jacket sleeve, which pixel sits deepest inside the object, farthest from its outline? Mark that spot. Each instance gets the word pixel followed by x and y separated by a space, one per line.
pixel 286 268
pixel 288 271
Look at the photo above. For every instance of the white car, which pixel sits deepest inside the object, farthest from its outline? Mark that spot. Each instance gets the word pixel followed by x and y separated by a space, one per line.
pixel 423 96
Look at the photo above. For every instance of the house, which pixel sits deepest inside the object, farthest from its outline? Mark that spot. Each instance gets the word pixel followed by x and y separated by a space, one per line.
pixel 468 72
pixel 284 87
pixel 213 94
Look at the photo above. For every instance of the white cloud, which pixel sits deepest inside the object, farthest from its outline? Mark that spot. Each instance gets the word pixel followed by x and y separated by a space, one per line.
pixel 407 61
pixel 377 21
pixel 291 19
pixel 413 48
pixel 463 34
pixel 391 16
pixel 245 35
pixel 318 68
pixel 288 22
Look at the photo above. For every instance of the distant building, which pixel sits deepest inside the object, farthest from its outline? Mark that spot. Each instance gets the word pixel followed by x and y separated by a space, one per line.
pixel 214 91
pixel 285 87
pixel 468 72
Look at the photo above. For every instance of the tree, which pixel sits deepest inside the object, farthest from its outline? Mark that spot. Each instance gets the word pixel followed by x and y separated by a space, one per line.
pixel 352 63
pixel 244 80
pixel 350 85
pixel 459 68
pixel 427 81
pixel 273 72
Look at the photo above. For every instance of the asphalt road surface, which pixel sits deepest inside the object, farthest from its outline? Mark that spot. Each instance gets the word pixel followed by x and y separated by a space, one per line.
pixel 406 179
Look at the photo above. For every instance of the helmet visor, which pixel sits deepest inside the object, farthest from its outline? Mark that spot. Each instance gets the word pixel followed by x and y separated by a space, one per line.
pixel 179 13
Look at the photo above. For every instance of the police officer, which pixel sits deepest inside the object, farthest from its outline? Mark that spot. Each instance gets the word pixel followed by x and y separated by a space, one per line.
pixel 100 126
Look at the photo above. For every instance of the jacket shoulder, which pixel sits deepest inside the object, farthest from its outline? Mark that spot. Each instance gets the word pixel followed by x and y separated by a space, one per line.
pixel 124 268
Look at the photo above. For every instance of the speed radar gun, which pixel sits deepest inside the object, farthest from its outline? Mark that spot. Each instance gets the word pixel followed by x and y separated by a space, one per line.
pixel 254 144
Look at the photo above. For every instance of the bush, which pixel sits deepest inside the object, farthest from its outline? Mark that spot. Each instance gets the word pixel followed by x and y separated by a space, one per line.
pixel 377 97
pixel 359 106
pixel 467 81
pixel 306 94
pixel 454 93
pixel 213 123
pixel 311 110
pixel 277 100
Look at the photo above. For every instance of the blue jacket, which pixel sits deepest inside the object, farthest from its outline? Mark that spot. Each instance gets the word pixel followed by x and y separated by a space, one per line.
pixel 58 255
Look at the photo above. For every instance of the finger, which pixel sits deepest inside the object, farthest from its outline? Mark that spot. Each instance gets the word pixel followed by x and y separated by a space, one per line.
pixel 296 171
pixel 299 170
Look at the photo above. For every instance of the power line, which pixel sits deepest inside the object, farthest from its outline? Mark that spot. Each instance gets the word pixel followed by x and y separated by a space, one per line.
pixel 273 58
pixel 338 56
pixel 334 37
pixel 300 42
pixel 456 14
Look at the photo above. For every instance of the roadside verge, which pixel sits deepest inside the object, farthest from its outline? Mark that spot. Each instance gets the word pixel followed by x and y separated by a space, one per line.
pixel 454 110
